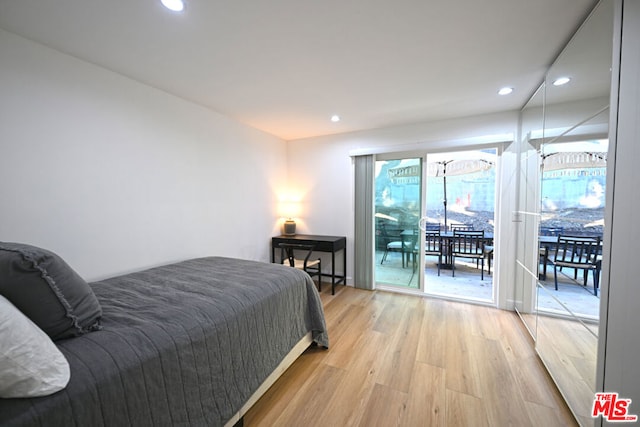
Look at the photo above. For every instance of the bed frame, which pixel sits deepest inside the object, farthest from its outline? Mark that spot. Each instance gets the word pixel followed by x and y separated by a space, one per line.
pixel 293 355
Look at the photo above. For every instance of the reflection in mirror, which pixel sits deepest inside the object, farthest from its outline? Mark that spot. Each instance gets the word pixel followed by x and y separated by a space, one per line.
pixel 568 348
pixel 573 183
pixel 572 179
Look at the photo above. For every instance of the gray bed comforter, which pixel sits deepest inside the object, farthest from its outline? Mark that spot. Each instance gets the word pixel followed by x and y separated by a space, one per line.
pixel 183 344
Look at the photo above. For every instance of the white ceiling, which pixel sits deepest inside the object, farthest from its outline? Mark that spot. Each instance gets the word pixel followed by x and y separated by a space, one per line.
pixel 285 66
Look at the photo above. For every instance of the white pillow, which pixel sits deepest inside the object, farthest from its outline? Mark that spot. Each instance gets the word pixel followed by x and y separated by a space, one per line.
pixel 30 363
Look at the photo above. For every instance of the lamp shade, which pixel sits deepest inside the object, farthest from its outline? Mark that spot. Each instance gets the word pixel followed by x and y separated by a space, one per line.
pixel 289 209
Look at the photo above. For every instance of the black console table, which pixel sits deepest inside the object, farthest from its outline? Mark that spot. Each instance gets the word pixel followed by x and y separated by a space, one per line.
pixel 330 244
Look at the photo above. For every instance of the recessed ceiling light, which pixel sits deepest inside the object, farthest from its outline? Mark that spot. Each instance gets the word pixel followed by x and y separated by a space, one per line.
pixel 335 118
pixel 561 81
pixel 505 91
pixel 174 5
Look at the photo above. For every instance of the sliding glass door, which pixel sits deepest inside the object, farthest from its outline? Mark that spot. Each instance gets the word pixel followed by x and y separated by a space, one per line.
pixel 404 209
pixel 398 205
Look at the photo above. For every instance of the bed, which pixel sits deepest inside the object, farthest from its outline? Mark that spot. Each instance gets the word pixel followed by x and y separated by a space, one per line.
pixel 193 343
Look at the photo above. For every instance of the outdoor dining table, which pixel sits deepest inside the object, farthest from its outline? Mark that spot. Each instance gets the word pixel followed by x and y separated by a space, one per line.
pixel 446 238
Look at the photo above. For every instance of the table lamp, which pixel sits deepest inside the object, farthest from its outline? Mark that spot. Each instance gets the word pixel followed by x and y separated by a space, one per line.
pixel 289 210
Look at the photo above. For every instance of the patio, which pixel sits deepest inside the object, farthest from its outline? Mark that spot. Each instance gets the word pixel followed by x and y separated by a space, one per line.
pixel 466 285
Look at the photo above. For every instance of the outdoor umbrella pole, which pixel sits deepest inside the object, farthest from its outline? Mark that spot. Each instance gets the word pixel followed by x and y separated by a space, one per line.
pixel 444 188
pixel 444 201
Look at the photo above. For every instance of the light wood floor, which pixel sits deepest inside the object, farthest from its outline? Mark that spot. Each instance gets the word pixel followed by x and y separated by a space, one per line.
pixel 414 361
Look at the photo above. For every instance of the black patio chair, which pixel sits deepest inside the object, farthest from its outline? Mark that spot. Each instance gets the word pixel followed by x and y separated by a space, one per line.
pixel 396 242
pixel 579 253
pixel 461 227
pixel 468 244
pixel 433 246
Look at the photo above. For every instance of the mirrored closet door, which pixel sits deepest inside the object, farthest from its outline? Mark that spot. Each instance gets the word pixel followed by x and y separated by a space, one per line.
pixel 563 149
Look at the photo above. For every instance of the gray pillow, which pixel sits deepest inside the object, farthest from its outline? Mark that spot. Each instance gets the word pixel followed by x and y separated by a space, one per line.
pixel 49 292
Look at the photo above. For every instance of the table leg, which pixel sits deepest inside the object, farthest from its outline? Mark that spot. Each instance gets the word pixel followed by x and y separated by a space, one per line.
pixel 333 272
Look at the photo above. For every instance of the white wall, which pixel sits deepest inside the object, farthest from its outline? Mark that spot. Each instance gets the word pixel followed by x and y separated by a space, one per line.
pixel 321 170
pixel 116 176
